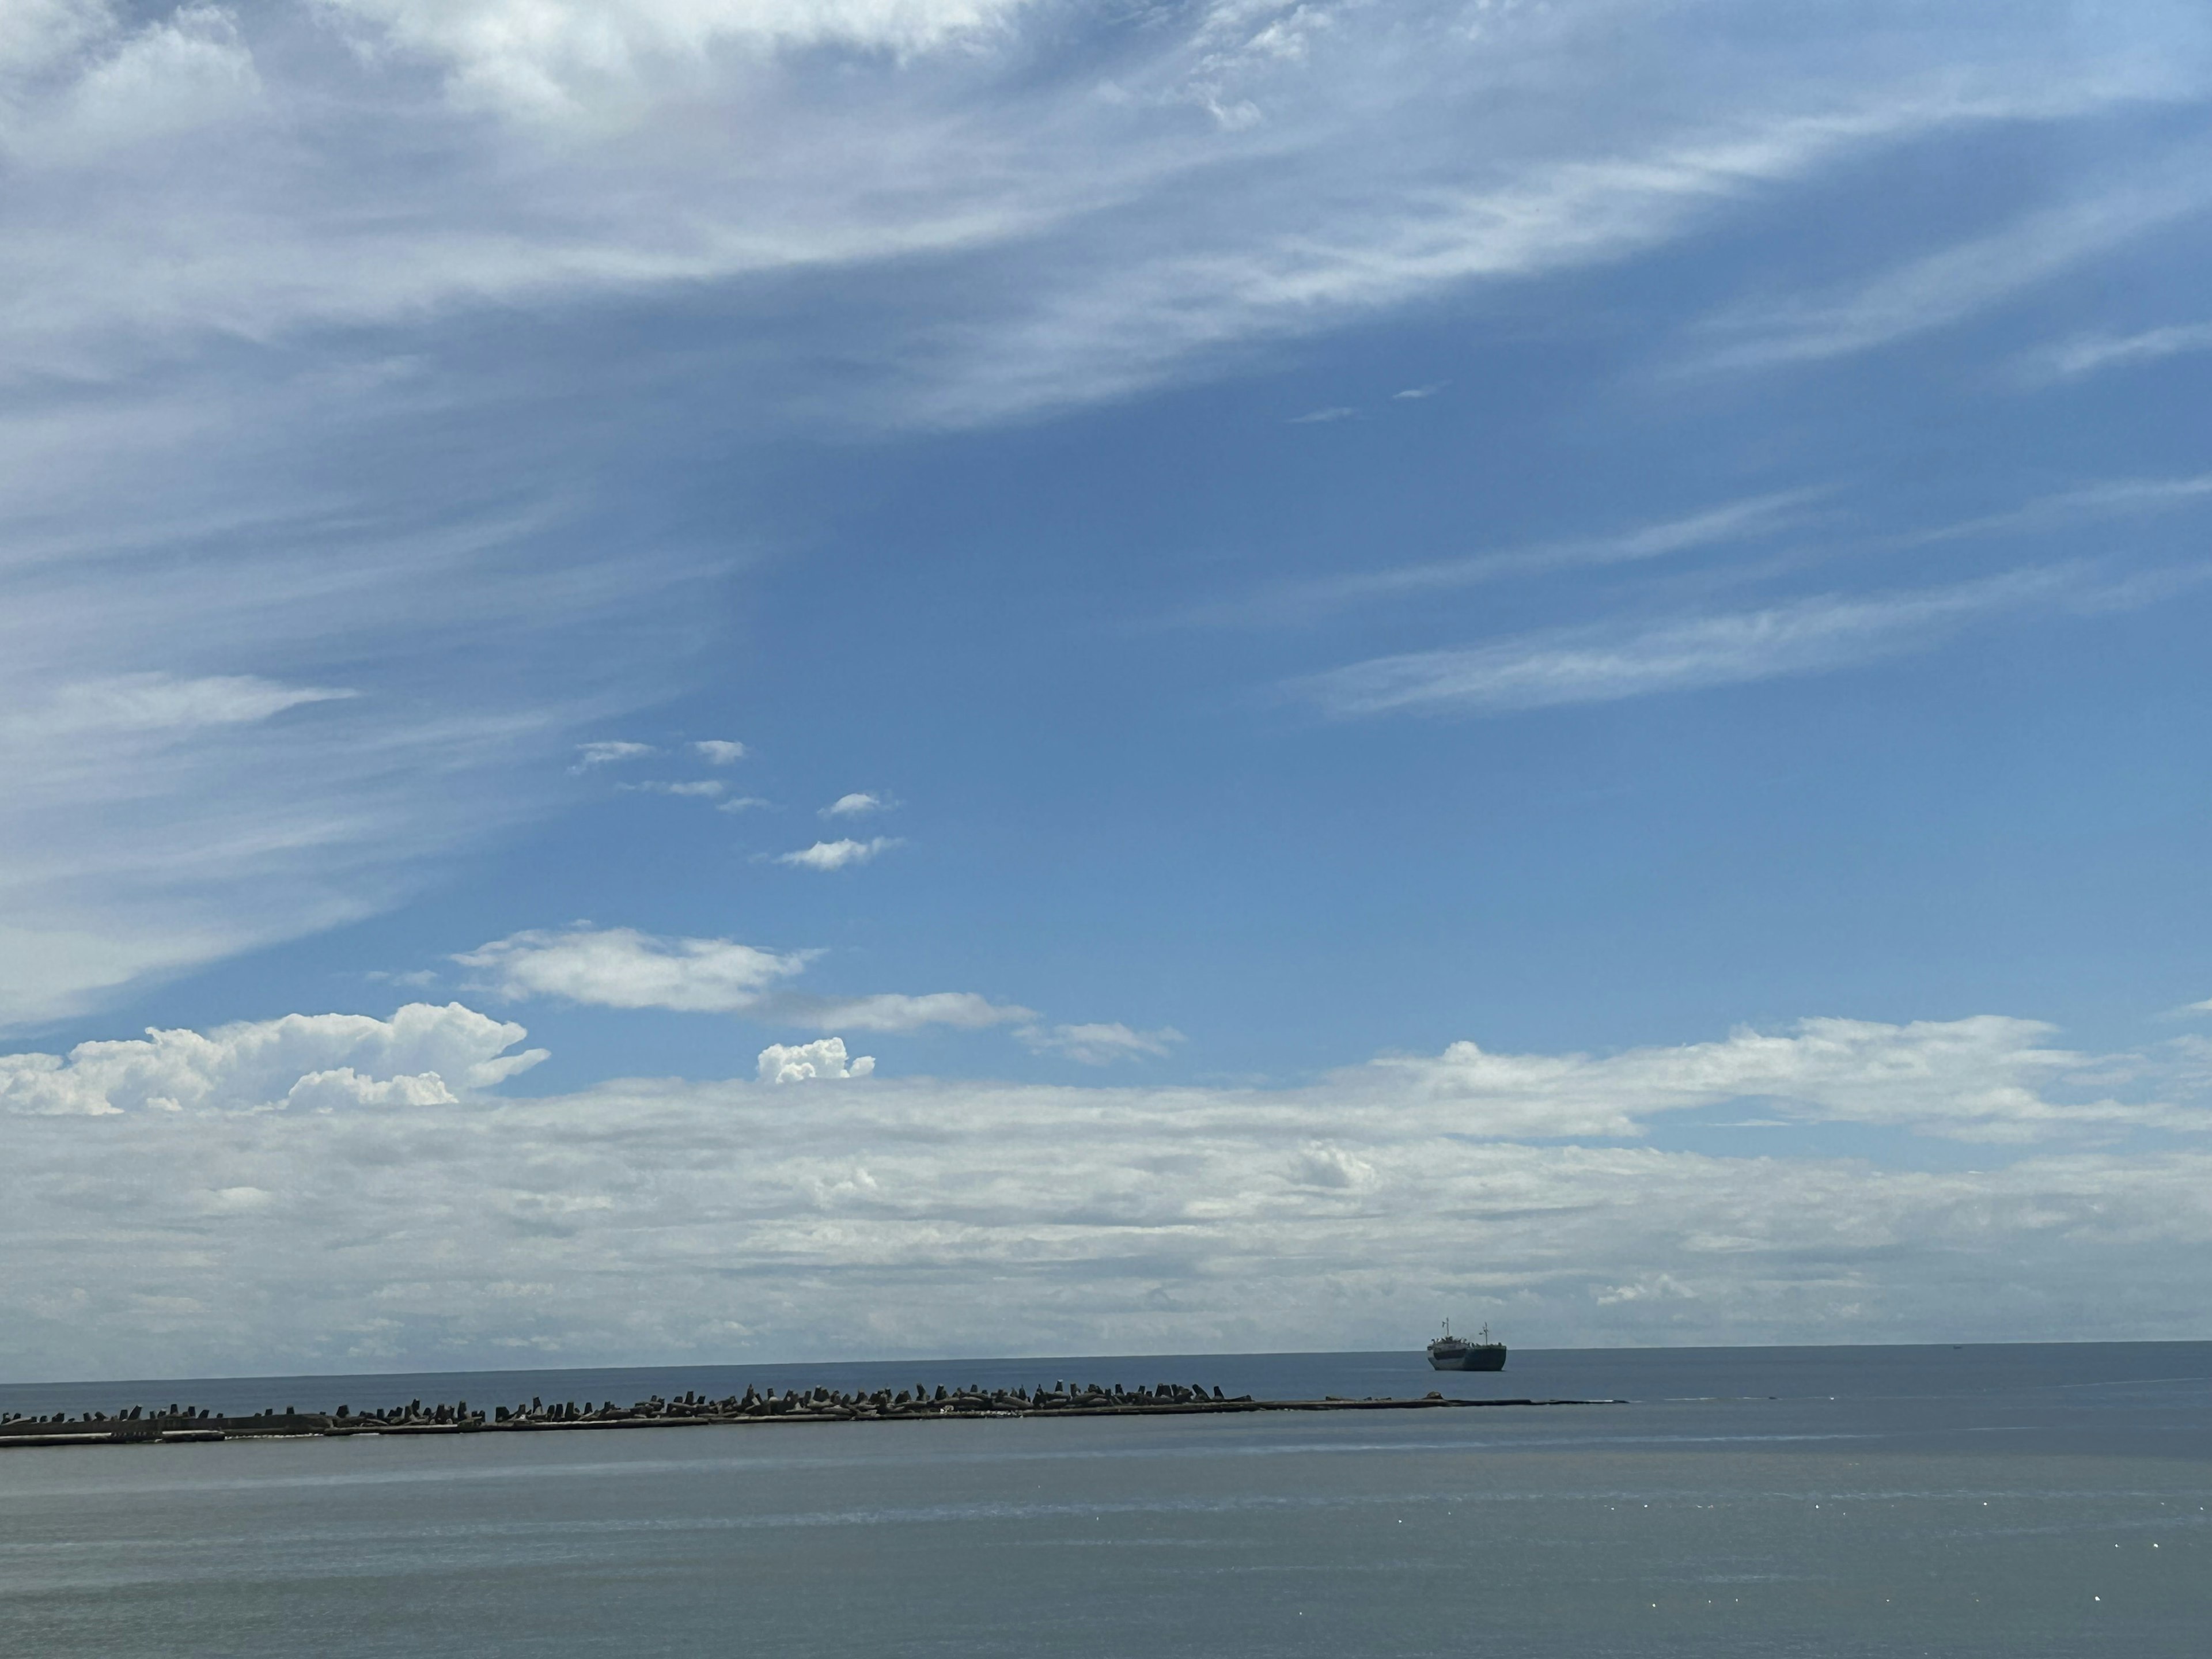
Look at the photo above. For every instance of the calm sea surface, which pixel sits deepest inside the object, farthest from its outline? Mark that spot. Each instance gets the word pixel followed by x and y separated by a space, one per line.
pixel 2029 1500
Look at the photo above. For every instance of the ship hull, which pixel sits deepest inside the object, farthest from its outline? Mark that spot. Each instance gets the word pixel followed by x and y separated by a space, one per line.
pixel 1473 1357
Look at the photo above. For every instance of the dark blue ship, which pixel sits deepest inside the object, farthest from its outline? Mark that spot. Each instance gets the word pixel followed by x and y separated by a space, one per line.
pixel 1455 1353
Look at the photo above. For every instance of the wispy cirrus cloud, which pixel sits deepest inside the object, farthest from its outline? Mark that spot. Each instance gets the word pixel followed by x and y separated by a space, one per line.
pixel 2109 498
pixel 2093 353
pixel 610 752
pixel 1750 519
pixel 687 788
pixel 1101 1043
pixel 557 153
pixel 238 440
pixel 1641 659
pixel 963 1010
pixel 1938 289
pixel 158 702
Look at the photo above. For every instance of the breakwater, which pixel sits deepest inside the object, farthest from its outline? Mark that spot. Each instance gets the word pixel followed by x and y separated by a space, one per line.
pixel 184 1424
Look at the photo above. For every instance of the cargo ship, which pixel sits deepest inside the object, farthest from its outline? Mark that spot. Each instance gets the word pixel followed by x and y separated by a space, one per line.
pixel 1455 1353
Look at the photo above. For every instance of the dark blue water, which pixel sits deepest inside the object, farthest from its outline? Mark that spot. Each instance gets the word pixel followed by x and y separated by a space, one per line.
pixel 2040 1500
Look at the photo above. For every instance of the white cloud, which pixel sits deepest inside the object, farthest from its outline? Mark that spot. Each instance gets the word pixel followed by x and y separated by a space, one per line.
pixel 39 36
pixel 1649 1286
pixel 1417 393
pixel 743 803
pixel 622 968
pixel 838 854
pixel 672 1213
pixel 719 752
pixel 1941 288
pixel 1750 519
pixel 1101 1044
pixel 806 1062
pixel 156 818
pixel 235 444
pixel 2092 354
pixel 853 806
pixel 1321 1164
pixel 962 1010
pixel 1135 305
pixel 563 58
pixel 159 703
pixel 695 788
pixel 1364 169
pixel 418 1057
pixel 589 755
pixel 1325 416
pixel 2109 498
pixel 108 87
pixel 1986 1079
pixel 1602 664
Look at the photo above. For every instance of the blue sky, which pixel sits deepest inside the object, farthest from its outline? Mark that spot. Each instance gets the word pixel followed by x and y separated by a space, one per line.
pixel 1183 560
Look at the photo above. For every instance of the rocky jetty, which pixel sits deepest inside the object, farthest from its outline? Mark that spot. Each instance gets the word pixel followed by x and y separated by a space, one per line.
pixel 142 1425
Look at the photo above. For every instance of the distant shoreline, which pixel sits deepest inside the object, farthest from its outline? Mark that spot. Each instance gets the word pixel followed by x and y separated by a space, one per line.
pixel 175 1425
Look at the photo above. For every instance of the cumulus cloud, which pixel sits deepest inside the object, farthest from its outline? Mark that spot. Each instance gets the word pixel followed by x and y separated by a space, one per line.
pixel 806 1062
pixel 418 1057
pixel 838 854
pixel 719 752
pixel 622 968
pixel 1336 1214
pixel 853 806
pixel 1101 1044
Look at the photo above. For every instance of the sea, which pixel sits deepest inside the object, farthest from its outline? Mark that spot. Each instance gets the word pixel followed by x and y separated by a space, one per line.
pixel 2053 1499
